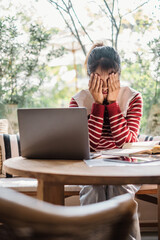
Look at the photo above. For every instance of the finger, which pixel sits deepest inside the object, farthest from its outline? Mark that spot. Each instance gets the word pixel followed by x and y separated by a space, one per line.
pixel 90 81
pixel 117 76
pixel 117 84
pixel 98 81
pixel 94 81
pixel 113 81
pixel 100 86
pixel 109 86
pixel 117 80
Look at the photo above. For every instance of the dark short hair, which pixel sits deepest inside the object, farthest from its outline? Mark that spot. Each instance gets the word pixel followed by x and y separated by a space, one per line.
pixel 104 57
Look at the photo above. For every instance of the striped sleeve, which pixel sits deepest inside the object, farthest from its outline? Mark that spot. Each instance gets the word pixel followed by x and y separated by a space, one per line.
pixel 125 129
pixel 95 123
pixel 73 103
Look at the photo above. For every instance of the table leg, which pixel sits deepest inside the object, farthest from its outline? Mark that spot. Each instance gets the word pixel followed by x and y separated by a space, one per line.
pixel 158 197
pixel 50 192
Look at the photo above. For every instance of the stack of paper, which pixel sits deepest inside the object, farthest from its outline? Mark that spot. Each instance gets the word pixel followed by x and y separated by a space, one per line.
pixel 130 149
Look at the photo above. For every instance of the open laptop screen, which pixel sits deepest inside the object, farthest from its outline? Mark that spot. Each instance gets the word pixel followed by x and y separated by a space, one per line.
pixel 54 133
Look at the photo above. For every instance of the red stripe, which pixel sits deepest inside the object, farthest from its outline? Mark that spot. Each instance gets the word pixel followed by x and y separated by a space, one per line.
pixel 108 128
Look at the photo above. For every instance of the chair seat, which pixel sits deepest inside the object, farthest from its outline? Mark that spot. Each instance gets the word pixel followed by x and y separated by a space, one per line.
pixel 29 186
pixel 71 190
pixel 148 189
pixel 20 184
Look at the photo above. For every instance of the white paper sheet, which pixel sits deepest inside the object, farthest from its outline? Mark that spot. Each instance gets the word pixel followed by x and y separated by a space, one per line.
pixel 102 162
pixel 122 152
pixel 137 145
pixel 131 148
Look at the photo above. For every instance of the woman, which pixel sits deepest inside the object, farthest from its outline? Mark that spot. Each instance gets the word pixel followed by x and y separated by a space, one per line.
pixel 114 115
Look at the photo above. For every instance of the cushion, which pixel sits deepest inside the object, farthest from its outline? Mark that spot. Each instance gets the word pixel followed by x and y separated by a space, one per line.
pixel 10 147
pixel 3 126
pixel 143 138
pixel 20 184
pixel 72 188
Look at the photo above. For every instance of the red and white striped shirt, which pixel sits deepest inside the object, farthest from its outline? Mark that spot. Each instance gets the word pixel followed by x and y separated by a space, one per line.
pixel 108 128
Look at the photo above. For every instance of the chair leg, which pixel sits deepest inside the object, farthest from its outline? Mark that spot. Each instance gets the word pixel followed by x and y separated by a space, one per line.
pixel 147 198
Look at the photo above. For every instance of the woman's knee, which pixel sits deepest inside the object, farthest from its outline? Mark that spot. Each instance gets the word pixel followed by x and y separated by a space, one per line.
pixel 92 194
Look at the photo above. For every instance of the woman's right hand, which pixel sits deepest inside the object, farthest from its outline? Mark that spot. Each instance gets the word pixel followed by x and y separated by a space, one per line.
pixel 95 88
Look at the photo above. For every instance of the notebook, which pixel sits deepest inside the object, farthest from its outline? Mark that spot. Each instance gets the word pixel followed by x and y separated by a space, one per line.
pixel 54 133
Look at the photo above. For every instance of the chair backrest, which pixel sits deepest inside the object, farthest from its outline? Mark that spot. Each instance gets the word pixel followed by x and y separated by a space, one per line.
pixel 4 126
pixel 145 138
pixel 107 220
pixel 10 147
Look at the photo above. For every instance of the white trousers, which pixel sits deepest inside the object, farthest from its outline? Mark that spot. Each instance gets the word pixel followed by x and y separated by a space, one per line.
pixel 97 193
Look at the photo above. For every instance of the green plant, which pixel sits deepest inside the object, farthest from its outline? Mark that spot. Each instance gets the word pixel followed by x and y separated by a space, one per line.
pixel 155 49
pixel 138 73
pixel 23 59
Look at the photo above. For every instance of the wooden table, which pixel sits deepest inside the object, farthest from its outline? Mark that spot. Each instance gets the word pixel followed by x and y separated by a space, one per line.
pixel 52 175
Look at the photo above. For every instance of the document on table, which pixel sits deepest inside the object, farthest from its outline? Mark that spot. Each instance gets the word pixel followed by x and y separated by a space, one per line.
pixel 102 162
pixel 122 152
pixel 119 161
pixel 129 149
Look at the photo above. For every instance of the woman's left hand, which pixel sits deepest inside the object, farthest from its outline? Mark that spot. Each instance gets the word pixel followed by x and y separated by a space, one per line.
pixel 113 87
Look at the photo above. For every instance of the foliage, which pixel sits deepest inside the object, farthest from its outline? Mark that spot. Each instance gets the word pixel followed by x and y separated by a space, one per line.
pixel 58 96
pixel 22 59
pixel 155 48
pixel 113 17
pixel 72 21
pixel 57 91
pixel 138 73
pixel 2 110
pixel 141 69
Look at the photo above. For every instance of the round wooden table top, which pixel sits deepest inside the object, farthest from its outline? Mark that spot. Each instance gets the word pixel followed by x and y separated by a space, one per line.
pixel 77 172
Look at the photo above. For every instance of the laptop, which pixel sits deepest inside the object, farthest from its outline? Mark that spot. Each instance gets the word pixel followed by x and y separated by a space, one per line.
pixel 54 133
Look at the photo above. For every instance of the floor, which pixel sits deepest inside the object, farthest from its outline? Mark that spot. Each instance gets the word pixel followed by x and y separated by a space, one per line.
pixel 149 236
pixel 144 235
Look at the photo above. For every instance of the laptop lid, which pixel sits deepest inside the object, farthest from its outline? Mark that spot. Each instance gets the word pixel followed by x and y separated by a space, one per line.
pixel 54 133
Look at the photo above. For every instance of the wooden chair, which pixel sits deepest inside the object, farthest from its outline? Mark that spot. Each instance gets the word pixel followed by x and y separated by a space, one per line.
pixel 146 191
pixel 24 185
pixel 28 186
pixel 149 193
pixel 24 217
